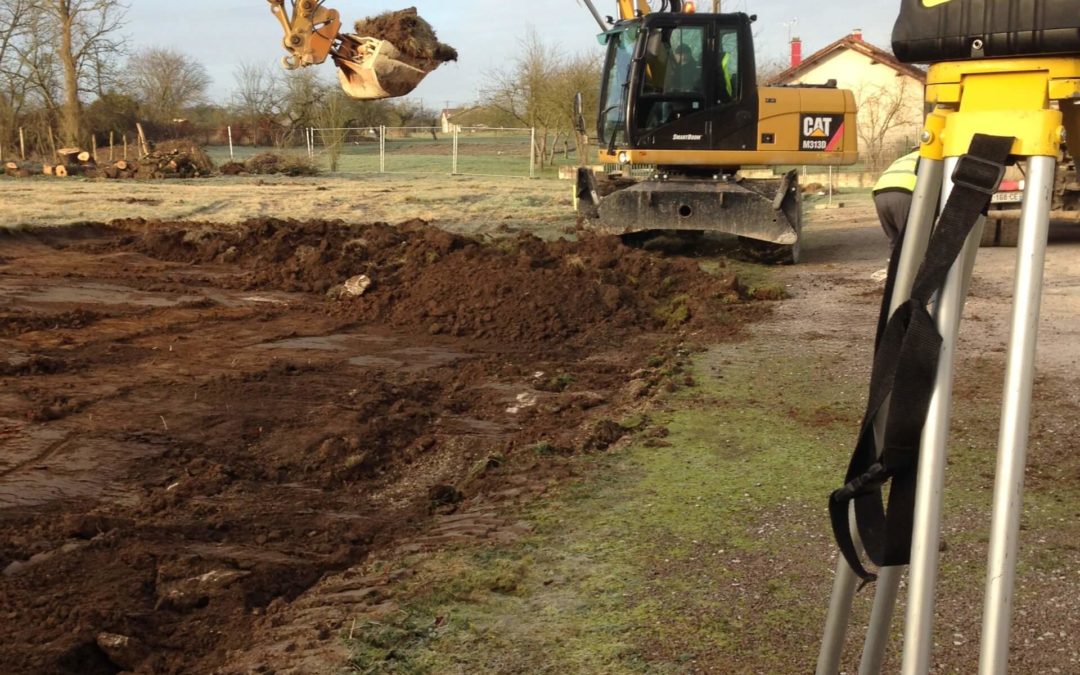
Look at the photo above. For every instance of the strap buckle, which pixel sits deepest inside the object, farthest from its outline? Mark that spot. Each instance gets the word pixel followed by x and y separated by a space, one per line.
pixel 978 174
pixel 874 477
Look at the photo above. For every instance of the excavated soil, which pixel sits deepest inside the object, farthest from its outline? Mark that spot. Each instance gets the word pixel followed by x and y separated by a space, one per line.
pixel 413 36
pixel 198 425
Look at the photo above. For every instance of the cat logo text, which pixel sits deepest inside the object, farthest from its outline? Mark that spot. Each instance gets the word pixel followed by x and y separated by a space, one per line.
pixel 821 133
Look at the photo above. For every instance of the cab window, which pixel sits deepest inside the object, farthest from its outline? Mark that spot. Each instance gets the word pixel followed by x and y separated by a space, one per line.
pixel 673 83
pixel 727 66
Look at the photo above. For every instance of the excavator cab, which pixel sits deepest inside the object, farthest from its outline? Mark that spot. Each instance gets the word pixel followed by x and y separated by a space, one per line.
pixel 368 68
pixel 676 81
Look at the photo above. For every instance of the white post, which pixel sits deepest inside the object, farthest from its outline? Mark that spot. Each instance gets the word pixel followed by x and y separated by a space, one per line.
pixel 532 154
pixel 382 149
pixel 232 153
pixel 454 171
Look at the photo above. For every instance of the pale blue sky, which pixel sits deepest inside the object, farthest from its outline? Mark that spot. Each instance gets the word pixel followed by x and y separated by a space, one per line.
pixel 486 32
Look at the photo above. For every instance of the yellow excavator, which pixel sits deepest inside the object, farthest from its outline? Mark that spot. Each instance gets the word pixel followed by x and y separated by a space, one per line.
pixel 369 68
pixel 681 113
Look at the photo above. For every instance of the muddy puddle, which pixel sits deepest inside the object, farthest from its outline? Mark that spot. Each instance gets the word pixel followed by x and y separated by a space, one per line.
pixel 370 350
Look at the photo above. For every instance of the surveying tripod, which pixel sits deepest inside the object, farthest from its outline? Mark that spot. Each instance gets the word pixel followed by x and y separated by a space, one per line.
pixel 1017 109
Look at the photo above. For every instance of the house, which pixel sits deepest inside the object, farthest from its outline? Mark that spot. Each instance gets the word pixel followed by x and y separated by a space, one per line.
pixel 459 118
pixel 889 94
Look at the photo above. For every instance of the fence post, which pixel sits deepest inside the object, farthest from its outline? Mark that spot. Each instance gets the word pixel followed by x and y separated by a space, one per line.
pixel 143 145
pixel 456 129
pixel 382 149
pixel 532 154
pixel 22 144
pixel 232 153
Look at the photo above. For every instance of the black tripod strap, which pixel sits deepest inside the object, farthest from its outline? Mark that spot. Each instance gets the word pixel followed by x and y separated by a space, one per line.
pixel 906 357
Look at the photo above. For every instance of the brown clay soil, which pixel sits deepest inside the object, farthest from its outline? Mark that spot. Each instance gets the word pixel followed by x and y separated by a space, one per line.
pixel 197 428
pixel 413 36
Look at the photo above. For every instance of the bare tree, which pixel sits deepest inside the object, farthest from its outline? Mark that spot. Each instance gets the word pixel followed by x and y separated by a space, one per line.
pixel 84 36
pixel 538 89
pixel 256 99
pixel 882 110
pixel 166 82
pixel 14 20
pixel 769 69
pixel 332 116
pixel 303 98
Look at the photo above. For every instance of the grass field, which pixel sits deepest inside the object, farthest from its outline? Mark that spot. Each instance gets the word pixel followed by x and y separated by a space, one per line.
pixel 505 154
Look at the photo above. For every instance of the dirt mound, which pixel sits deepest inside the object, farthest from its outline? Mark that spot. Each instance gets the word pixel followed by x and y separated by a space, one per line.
pixel 187 457
pixel 414 37
pixel 269 164
pixel 523 289
pixel 233 169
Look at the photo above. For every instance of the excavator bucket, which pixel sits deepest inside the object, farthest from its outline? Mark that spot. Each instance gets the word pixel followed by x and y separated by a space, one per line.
pixel 370 69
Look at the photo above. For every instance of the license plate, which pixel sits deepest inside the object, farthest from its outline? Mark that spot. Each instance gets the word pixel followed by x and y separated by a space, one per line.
pixel 1007 197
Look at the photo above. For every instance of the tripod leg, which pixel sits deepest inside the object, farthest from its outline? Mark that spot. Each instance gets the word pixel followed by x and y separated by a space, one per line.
pixel 916 236
pixel 1016 417
pixel 918 631
pixel 923 208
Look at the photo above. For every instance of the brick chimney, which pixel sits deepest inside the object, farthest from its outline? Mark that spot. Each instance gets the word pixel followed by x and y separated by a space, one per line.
pixel 796 52
pixel 856 34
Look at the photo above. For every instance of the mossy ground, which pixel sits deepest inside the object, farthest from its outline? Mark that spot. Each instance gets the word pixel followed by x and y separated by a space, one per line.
pixel 710 550
pixel 658 559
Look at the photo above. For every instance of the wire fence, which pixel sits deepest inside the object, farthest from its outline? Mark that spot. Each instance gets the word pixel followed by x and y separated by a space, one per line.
pixel 471 151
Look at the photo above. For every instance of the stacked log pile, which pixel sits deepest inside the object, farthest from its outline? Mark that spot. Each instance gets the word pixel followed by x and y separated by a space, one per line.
pixel 167 160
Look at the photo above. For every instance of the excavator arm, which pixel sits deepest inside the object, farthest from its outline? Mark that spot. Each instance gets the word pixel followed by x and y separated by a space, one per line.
pixel 368 68
pixel 310 32
pixel 628 9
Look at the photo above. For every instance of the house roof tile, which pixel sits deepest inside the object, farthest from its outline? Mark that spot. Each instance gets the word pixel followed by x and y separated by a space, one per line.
pixel 853 43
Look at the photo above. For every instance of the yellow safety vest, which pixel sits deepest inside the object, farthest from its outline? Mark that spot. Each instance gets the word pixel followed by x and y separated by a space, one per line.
pixel 725 66
pixel 900 175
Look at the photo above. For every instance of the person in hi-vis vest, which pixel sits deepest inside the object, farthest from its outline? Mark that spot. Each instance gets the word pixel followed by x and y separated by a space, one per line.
pixel 892 195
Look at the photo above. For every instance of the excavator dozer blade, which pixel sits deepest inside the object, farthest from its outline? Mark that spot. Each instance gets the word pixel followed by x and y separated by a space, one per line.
pixel 764 213
pixel 370 69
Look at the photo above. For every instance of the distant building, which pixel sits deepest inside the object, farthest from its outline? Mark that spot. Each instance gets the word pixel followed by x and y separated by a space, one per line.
pixel 458 118
pixel 890 94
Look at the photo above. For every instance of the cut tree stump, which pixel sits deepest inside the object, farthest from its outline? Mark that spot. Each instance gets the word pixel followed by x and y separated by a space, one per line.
pixel 61 171
pixel 84 157
pixel 68 156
